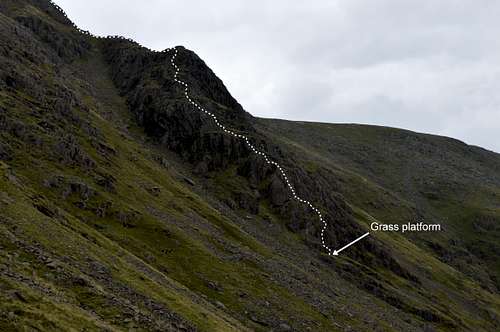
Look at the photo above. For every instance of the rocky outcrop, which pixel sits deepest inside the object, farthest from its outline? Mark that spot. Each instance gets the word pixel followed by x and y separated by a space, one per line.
pixel 158 102
pixel 67 45
pixel 128 230
pixel 50 25
pixel 145 79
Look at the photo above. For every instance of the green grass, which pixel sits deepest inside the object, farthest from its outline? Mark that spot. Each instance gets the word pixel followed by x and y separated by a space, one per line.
pixel 174 248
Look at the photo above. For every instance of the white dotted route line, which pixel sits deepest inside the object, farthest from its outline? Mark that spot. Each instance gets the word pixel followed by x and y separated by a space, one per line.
pixel 227 131
pixel 271 162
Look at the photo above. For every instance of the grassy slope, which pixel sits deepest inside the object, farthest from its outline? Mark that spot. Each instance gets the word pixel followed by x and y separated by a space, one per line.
pixel 391 175
pixel 441 178
pixel 72 261
pixel 147 253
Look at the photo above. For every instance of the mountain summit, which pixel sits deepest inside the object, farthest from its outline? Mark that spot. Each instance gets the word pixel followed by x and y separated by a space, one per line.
pixel 124 207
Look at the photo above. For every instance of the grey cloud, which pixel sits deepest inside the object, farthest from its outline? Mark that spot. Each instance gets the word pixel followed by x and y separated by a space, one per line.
pixel 425 65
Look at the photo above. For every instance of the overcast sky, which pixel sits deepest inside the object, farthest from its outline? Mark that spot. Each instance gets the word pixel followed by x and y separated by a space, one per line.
pixel 425 65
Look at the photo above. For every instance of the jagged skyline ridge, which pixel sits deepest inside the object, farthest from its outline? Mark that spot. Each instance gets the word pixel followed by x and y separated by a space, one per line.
pixel 116 190
pixel 408 68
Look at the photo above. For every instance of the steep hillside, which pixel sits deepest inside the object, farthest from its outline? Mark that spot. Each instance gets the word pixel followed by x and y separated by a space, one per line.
pixel 441 179
pixel 123 207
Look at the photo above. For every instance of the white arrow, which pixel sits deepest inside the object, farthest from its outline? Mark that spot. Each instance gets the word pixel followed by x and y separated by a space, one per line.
pixel 336 252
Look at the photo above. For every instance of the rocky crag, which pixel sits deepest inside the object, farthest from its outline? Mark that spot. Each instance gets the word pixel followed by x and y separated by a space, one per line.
pixel 122 207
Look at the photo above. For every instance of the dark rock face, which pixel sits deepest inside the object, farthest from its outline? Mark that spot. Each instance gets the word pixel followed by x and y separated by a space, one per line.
pixel 145 79
pixel 51 10
pixel 204 83
pixel 277 191
pixel 69 151
pixel 49 24
pixel 68 46
pixel 66 167
pixel 157 101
